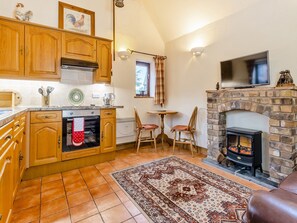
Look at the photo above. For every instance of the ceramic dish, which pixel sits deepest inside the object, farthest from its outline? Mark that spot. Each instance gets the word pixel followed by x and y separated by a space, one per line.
pixel 76 97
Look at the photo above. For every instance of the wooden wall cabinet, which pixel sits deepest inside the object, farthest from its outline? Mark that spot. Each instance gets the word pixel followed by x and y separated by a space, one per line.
pixel 43 52
pixel 104 58
pixel 11 49
pixel 79 47
pixel 29 51
pixel 45 137
pixel 108 130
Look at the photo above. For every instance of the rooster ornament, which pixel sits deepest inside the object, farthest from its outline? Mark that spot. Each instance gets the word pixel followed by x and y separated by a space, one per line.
pixel 76 23
pixel 22 14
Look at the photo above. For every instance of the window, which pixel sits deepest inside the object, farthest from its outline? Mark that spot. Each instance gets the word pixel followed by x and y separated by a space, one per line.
pixel 142 85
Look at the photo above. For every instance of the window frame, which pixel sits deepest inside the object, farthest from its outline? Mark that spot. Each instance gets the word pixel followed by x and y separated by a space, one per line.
pixel 148 66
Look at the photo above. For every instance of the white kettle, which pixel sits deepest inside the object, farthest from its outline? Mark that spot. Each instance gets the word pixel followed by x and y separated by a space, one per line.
pixel 108 99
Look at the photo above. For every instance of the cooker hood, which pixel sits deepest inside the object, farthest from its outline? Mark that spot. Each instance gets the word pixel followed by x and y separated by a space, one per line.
pixel 73 64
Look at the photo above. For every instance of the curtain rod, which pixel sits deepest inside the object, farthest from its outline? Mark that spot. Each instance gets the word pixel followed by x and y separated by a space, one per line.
pixel 149 54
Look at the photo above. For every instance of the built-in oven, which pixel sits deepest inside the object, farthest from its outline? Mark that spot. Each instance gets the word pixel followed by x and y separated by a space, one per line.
pixel 81 129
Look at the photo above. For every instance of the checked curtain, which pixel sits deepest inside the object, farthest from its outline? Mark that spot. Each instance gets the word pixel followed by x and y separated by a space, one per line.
pixel 160 77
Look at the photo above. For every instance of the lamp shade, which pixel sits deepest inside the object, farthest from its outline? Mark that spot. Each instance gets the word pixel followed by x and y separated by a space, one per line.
pixel 197 51
pixel 124 54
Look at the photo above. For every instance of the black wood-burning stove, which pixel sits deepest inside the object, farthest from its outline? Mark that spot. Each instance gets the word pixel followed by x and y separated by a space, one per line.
pixel 244 146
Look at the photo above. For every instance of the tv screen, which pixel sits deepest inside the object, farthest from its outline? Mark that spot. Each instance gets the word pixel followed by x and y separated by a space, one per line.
pixel 248 71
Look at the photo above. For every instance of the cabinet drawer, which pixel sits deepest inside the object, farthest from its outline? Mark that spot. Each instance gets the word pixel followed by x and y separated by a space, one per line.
pixel 6 136
pixel 107 113
pixel 48 116
pixel 19 124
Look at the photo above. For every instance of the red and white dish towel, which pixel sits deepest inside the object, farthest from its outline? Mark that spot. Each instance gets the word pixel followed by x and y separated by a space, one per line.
pixel 78 131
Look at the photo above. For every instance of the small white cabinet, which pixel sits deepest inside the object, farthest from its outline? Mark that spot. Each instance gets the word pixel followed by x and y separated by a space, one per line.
pixel 125 130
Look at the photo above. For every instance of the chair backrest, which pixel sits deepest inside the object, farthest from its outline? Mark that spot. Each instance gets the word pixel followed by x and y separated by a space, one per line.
pixel 137 119
pixel 193 119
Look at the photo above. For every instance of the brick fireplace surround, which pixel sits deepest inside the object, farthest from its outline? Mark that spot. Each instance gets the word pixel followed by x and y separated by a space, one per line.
pixel 279 104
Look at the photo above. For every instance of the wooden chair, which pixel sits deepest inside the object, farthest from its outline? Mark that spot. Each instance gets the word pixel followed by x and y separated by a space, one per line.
pixel 187 130
pixel 142 128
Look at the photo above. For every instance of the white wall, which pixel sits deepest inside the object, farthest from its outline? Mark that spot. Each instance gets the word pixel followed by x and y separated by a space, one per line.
pixel 269 25
pixel 134 29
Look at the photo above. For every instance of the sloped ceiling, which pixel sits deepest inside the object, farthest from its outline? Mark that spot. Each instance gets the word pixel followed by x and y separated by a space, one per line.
pixel 175 18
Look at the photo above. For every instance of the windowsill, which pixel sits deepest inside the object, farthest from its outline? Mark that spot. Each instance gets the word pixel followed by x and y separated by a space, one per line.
pixel 143 97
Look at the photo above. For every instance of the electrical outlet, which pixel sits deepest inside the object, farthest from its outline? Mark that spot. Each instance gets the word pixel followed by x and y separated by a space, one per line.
pixel 96 95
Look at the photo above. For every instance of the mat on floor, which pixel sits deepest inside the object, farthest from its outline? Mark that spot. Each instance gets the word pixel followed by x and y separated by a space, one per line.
pixel 173 190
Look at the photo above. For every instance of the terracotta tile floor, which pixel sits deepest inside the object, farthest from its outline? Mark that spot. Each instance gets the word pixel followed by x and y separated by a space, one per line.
pixel 89 194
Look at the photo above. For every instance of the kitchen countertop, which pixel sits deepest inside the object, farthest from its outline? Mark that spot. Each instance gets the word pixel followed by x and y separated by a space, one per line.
pixel 8 114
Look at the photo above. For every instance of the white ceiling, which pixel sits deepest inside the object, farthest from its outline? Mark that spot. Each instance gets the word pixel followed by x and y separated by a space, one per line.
pixel 175 18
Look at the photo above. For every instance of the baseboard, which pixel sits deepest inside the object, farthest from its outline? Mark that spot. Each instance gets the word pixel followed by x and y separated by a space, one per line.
pixel 129 145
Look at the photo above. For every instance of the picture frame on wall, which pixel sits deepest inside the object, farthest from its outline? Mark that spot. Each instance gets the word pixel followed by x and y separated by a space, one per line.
pixel 76 19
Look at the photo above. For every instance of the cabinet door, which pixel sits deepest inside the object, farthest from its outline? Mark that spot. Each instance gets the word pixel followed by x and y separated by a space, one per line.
pixel 11 49
pixel 45 143
pixel 103 74
pixel 43 53
pixel 6 177
pixel 79 47
pixel 108 131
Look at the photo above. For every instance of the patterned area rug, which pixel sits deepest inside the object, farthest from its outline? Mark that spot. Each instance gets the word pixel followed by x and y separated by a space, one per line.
pixel 173 190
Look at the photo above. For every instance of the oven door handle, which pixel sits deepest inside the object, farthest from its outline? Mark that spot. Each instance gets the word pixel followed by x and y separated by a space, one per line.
pixel 86 118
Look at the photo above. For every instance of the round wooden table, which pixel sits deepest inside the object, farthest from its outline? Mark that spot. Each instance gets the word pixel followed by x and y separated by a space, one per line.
pixel 162 136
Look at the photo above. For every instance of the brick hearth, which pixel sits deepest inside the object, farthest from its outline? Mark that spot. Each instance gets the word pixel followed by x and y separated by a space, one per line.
pixel 279 104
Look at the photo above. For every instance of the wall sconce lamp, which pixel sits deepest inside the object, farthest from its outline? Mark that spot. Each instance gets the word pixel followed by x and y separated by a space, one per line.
pixel 124 54
pixel 197 51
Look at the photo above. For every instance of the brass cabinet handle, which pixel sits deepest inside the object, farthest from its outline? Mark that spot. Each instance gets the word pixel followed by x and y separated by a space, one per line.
pixel 59 141
pixel 45 116
pixel 8 137
pixel 21 157
pixel 102 136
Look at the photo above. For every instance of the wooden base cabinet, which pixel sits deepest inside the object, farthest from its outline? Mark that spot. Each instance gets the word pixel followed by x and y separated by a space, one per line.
pixel 45 137
pixel 6 183
pixel 108 130
pixel 11 145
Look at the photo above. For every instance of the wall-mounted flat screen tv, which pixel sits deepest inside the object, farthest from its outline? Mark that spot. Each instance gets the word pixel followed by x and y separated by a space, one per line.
pixel 247 71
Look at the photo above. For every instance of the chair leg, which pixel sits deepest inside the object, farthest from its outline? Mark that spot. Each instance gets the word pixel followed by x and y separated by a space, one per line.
pixel 138 144
pixel 151 135
pixel 192 134
pixel 179 139
pixel 136 140
pixel 174 142
pixel 154 136
pixel 191 147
